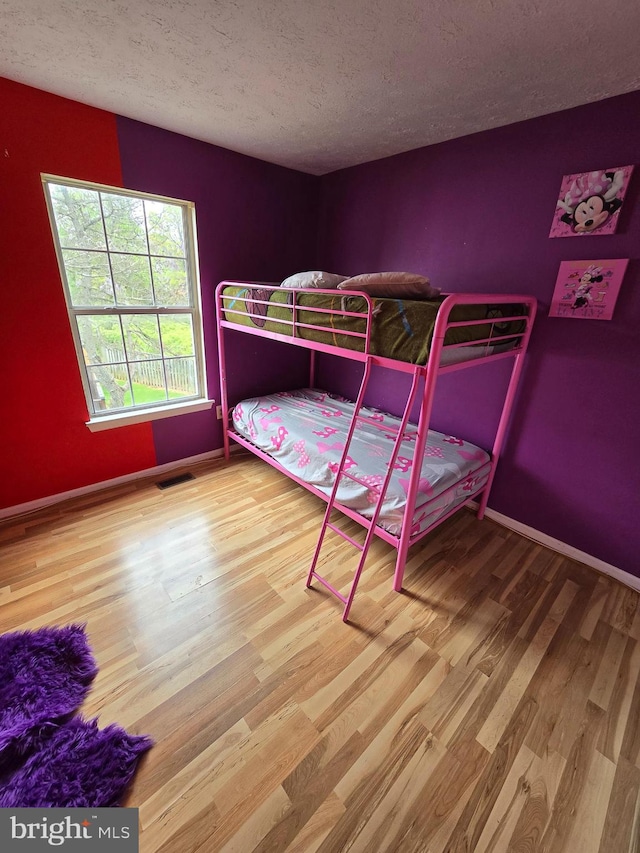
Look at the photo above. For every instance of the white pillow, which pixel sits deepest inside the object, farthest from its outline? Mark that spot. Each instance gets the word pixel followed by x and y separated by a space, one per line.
pixel 314 278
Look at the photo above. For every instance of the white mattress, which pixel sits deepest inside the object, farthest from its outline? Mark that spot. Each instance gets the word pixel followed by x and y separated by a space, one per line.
pixel 455 355
pixel 305 430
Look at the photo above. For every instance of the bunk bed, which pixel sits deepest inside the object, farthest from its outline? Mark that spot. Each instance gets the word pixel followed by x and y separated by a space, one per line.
pixel 360 460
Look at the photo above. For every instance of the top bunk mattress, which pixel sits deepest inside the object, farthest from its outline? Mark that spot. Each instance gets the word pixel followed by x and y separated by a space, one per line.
pixel 402 329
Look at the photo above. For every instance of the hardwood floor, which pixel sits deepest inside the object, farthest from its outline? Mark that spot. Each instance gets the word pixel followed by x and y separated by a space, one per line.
pixel 492 706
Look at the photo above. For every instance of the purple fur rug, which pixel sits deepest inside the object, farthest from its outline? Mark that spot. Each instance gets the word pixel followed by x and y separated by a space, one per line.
pixel 48 757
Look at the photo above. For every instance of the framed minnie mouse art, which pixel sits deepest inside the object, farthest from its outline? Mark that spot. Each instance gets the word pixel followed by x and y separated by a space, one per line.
pixel 587 290
pixel 590 202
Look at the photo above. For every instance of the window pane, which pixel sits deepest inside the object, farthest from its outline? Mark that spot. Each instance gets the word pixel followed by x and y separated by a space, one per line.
pixel 78 217
pixel 109 386
pixel 124 222
pixel 170 281
pixel 177 334
pixel 181 377
pixel 88 277
pixel 166 229
pixel 142 336
pixel 101 338
pixel 132 279
pixel 148 382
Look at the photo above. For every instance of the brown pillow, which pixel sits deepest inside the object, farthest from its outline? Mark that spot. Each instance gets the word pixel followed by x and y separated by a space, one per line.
pixel 394 285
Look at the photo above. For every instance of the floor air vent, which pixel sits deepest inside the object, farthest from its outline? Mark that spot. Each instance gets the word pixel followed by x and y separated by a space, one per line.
pixel 174 481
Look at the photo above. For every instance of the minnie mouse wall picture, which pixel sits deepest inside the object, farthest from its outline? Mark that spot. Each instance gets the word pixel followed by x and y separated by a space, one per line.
pixel 587 290
pixel 590 202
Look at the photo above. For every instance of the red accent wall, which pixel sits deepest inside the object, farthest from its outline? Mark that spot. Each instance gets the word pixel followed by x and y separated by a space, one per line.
pixel 44 444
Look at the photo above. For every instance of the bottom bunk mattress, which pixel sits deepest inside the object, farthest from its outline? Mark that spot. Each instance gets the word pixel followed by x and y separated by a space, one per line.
pixel 304 432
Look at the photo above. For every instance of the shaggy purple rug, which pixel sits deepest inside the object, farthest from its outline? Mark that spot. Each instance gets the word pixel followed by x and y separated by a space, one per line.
pixel 78 766
pixel 44 677
pixel 48 758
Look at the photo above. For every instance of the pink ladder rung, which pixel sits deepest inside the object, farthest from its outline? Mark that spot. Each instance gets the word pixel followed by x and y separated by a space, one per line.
pixel 373 487
pixel 331 588
pixel 386 427
pixel 344 536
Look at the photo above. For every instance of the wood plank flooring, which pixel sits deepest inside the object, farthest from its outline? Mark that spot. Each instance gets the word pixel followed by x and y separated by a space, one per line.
pixel 492 706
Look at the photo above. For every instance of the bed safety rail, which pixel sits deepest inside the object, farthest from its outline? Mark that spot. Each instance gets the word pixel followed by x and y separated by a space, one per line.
pixel 255 300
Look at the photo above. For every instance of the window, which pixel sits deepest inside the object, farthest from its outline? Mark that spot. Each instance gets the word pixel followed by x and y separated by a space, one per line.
pixel 129 268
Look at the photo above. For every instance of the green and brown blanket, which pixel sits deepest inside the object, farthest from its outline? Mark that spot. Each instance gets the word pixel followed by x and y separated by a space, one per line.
pixel 402 329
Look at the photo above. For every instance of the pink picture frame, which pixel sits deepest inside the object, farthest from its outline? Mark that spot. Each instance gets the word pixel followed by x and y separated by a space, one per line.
pixel 587 290
pixel 590 202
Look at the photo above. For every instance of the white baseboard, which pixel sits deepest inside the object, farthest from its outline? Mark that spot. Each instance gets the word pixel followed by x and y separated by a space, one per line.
pixel 41 503
pixel 562 548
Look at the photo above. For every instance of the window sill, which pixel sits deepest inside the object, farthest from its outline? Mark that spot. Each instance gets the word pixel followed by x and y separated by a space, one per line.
pixel 140 416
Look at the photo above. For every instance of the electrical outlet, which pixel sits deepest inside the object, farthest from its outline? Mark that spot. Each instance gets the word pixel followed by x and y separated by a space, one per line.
pixel 219 412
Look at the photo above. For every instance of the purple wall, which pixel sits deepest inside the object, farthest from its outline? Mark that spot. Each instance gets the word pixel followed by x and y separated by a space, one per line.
pixel 474 214
pixel 255 221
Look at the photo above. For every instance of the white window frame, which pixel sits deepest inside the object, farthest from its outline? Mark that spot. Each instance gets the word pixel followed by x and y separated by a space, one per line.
pixel 100 420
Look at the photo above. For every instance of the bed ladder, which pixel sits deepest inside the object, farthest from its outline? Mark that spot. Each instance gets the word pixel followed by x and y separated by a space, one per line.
pixel 401 435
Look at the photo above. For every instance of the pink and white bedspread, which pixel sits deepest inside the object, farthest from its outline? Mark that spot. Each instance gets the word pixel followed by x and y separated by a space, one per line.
pixel 305 430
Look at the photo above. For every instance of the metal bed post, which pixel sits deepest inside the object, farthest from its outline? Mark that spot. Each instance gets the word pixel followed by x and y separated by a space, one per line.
pixel 414 480
pixel 505 414
pixel 223 375
pixel 312 369
pixel 426 406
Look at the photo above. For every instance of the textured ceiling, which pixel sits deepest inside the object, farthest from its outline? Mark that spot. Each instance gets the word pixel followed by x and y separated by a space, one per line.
pixel 318 85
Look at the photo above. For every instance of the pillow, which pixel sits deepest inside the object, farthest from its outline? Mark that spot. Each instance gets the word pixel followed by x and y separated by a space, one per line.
pixel 395 285
pixel 314 278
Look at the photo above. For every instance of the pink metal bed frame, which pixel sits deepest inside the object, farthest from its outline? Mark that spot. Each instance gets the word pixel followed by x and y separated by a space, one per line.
pixel 427 373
